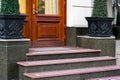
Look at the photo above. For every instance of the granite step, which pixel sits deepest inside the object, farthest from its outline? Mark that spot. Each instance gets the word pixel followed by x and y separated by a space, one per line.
pixel 61 64
pixel 68 63
pixel 47 54
pixel 74 74
pixel 107 78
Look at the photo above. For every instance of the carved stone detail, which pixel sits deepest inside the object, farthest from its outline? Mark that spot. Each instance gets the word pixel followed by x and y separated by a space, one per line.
pixel 11 28
pixel 99 27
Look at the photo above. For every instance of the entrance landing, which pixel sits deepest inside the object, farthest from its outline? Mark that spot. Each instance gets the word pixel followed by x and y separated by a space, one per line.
pixel 59 49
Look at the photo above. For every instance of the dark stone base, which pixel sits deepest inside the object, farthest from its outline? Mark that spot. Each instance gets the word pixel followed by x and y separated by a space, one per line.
pixel 116 32
pixel 72 33
pixel 106 44
pixel 12 51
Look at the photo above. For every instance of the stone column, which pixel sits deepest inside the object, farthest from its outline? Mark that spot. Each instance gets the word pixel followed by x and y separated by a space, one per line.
pixel 105 44
pixel 12 51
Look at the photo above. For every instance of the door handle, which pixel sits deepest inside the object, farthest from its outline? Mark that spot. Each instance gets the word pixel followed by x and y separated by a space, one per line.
pixel 34 10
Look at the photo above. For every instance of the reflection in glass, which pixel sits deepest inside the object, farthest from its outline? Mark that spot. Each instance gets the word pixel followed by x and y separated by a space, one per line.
pixel 41 7
pixel 22 4
pixel 48 7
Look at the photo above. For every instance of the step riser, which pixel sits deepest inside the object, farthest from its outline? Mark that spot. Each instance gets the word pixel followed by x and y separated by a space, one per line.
pixel 80 76
pixel 63 56
pixel 64 66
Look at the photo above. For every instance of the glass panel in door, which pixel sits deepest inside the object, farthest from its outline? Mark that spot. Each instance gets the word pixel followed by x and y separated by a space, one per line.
pixel 48 7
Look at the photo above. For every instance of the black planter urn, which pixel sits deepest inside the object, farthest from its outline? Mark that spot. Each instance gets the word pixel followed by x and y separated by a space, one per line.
pixel 11 26
pixel 99 26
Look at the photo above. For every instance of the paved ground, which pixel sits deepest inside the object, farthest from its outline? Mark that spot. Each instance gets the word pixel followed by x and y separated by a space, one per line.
pixel 118 51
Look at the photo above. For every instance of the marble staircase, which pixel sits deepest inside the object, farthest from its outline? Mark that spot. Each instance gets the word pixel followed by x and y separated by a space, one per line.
pixel 66 63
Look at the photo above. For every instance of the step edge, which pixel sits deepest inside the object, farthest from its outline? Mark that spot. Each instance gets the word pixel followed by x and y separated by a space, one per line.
pixel 61 52
pixel 64 61
pixel 70 72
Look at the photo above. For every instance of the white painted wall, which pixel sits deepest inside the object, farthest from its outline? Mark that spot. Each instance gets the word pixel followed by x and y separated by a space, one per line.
pixel 77 10
pixel 109 7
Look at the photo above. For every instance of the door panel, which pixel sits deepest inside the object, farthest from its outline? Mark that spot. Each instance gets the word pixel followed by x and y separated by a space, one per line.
pixel 48 27
pixel 45 23
pixel 26 29
pixel 51 31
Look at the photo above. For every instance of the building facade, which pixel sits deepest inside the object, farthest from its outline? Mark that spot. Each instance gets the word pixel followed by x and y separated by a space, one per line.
pixel 56 21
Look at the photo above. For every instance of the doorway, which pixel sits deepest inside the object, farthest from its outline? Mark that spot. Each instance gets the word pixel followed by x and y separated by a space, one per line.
pixel 45 23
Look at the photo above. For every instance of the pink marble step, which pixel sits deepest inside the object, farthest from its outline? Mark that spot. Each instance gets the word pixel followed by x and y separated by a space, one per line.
pixel 64 61
pixel 48 74
pixel 107 78
pixel 52 49
pixel 67 51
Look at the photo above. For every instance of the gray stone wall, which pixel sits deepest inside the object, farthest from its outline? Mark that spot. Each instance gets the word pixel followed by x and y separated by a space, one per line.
pixel 105 44
pixel 72 33
pixel 12 51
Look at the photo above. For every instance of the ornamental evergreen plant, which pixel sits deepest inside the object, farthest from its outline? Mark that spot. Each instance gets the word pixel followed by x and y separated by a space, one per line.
pixel 11 20
pixel 9 7
pixel 100 8
pixel 100 25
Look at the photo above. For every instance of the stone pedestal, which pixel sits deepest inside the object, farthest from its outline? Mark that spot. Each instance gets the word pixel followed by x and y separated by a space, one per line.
pixel 106 44
pixel 12 51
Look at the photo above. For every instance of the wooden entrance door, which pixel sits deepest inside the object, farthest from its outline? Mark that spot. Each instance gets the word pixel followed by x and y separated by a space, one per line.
pixel 45 22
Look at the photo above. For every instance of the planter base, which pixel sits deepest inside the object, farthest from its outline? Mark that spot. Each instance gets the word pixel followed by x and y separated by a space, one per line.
pixel 105 44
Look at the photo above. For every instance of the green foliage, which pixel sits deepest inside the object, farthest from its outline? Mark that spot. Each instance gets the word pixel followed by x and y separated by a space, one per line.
pixel 41 8
pixel 99 8
pixel 118 19
pixel 9 7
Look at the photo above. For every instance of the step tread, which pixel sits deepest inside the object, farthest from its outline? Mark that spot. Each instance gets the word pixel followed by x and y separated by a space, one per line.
pixel 69 51
pixel 63 61
pixel 107 78
pixel 56 73
pixel 51 49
